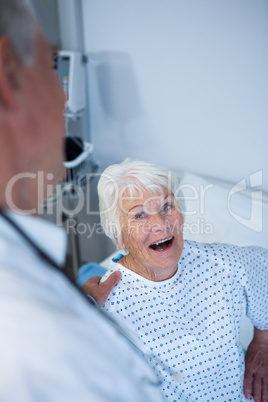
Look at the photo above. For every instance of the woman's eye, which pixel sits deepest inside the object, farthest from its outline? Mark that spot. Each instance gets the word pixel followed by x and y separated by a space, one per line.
pixel 167 207
pixel 140 215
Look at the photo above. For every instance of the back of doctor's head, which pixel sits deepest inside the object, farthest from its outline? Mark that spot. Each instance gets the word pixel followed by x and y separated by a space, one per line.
pixel 130 176
pixel 17 23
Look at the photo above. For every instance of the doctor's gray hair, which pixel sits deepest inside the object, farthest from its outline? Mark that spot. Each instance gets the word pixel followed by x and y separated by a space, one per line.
pixel 18 24
pixel 133 176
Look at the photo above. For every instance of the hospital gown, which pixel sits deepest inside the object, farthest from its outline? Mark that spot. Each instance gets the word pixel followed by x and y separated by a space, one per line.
pixel 190 323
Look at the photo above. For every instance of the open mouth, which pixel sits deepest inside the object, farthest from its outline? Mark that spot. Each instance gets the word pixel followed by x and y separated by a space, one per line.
pixel 162 244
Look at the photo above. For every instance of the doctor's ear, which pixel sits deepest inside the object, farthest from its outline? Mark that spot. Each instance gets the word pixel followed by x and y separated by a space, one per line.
pixel 10 74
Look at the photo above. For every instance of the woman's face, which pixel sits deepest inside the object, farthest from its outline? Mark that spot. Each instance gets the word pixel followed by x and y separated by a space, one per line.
pixel 151 226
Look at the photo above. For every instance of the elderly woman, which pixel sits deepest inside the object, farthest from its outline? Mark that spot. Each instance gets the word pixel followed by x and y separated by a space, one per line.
pixel 183 300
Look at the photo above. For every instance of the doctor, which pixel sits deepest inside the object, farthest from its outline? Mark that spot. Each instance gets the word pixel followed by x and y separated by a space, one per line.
pixel 55 345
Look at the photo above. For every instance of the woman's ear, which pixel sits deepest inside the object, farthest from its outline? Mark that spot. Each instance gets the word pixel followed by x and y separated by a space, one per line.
pixel 10 74
pixel 120 245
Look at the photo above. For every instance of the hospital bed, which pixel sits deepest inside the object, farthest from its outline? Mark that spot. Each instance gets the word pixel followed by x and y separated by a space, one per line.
pixel 217 211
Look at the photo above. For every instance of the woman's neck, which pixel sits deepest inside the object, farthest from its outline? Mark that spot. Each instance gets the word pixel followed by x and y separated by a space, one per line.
pixel 155 275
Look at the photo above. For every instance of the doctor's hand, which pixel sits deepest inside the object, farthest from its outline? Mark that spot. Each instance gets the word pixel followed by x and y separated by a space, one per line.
pixel 256 370
pixel 100 291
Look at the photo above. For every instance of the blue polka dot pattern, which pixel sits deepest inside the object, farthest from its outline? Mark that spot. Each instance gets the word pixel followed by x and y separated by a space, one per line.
pixel 190 322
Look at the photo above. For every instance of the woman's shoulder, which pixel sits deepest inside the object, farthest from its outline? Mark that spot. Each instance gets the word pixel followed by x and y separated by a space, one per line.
pixel 128 280
pixel 194 246
pixel 216 253
pixel 112 265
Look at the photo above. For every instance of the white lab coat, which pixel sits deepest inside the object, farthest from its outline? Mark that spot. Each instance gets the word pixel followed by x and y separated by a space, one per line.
pixel 54 346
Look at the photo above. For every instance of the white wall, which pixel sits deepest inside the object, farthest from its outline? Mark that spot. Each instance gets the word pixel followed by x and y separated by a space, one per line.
pixel 180 82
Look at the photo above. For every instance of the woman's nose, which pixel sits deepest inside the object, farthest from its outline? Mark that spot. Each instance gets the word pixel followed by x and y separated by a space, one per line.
pixel 158 223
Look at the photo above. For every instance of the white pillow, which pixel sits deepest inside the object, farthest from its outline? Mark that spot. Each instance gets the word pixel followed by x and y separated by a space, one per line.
pixel 217 211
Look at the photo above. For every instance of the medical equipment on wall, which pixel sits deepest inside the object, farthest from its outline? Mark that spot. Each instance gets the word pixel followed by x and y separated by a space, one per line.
pixel 71 68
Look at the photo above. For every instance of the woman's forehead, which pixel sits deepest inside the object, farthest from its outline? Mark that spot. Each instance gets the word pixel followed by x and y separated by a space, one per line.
pixel 132 198
pixel 132 190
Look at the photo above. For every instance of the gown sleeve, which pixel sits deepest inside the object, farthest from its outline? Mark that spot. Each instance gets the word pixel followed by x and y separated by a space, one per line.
pixel 253 274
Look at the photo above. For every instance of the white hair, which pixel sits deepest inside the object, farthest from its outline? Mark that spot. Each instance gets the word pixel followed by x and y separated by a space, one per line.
pixel 133 176
pixel 18 24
